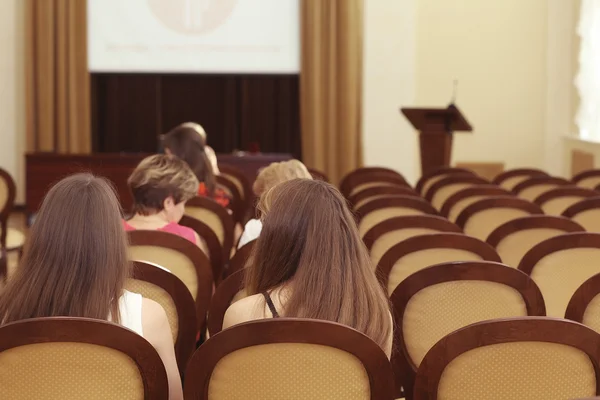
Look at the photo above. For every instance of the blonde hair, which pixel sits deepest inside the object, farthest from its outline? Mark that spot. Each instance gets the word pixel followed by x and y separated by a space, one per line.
pixel 158 177
pixel 277 173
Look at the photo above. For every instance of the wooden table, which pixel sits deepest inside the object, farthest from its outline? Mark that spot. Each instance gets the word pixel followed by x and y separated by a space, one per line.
pixel 42 170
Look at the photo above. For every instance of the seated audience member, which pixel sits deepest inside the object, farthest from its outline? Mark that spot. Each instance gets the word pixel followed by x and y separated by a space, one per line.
pixel 160 186
pixel 187 144
pixel 272 175
pixel 210 153
pixel 75 264
pixel 309 262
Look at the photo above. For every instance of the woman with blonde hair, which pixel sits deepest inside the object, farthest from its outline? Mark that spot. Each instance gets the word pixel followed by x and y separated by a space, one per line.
pixel 75 264
pixel 269 177
pixel 310 262
pixel 160 186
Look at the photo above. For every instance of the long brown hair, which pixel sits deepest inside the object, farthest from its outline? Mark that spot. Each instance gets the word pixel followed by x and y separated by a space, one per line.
pixel 75 260
pixel 310 241
pixel 186 143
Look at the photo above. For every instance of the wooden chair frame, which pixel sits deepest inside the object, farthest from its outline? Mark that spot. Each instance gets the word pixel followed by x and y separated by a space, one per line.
pixel 433 241
pixel 237 173
pixel 318 175
pixel 239 259
pixel 346 180
pixel 478 190
pixel 221 300
pixel 236 203
pixel 496 202
pixel 406 222
pixel 525 172
pixel 590 173
pixel 96 332
pixel 582 298
pixel 204 275
pixel 8 208
pixel 539 180
pixel 510 330
pixel 404 368
pixel 441 171
pixel 565 191
pixel 184 304
pixel 382 190
pixel 395 201
pixel 532 222
pixel 226 221
pixel 584 205
pixel 451 180
pixel 215 249
pixel 374 177
pixel 290 330
pixel 567 241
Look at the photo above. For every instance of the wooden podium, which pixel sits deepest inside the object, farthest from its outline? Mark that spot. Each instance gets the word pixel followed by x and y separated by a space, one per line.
pixel 437 125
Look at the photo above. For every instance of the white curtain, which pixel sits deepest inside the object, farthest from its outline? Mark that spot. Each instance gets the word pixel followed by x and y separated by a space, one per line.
pixel 588 78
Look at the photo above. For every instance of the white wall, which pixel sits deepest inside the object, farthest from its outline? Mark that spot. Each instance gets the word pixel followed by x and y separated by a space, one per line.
pixel 12 91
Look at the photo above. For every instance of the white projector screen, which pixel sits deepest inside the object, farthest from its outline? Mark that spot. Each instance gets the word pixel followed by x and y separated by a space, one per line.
pixel 194 36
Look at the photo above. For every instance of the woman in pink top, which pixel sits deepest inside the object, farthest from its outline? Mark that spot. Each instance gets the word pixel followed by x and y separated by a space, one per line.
pixel 161 185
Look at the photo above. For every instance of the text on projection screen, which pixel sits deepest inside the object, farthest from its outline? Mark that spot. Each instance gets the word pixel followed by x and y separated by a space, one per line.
pixel 194 36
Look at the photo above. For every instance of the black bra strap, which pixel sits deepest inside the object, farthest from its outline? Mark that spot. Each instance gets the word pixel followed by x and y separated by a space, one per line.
pixel 270 304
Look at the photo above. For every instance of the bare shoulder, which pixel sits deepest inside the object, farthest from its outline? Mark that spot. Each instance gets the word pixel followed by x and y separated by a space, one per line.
pixel 153 314
pixel 244 310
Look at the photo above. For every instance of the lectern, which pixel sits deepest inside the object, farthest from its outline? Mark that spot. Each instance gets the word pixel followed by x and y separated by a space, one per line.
pixel 436 126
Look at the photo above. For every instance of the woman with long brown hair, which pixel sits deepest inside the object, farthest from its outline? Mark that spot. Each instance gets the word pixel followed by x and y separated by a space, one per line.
pixel 309 262
pixel 188 142
pixel 75 264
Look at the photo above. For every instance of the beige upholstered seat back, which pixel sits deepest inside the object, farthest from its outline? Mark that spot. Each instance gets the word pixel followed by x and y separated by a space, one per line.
pixel 519 370
pixel 377 216
pixel 533 192
pixel 388 240
pixel 177 263
pixel 559 274
pixel 461 205
pixel 209 218
pixel 291 371
pixel 68 371
pixel 437 310
pixel 558 205
pixel 589 219
pixel 591 182
pixel 368 200
pixel 484 222
pixel 510 183
pixel 432 181
pixel 159 295
pixel 418 260
pixel 364 186
pixel 236 182
pixel 591 316
pixel 445 192
pixel 514 246
pixel 3 193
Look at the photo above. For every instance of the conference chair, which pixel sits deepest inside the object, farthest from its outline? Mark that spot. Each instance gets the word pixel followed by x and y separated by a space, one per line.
pixel 240 180
pixel 318 175
pixel 182 258
pixel 372 179
pixel 228 292
pixel 438 300
pixel 346 184
pixel 516 237
pixel 431 177
pixel 589 179
pixel 557 200
pixel 482 217
pixel 383 236
pixel 78 358
pixel 216 217
pixel 293 359
pixel 10 239
pixel 444 188
pixel 586 213
pixel 560 265
pixel 361 198
pixel 240 258
pixel 215 251
pixel 236 202
pixel 419 252
pixel 155 283
pixel 514 358
pixel 531 188
pixel 387 207
pixel 509 179
pixel 460 200
pixel 584 306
